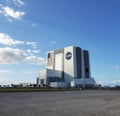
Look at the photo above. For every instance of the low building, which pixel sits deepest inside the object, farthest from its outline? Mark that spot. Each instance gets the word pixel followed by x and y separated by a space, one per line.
pixel 58 84
pixel 83 82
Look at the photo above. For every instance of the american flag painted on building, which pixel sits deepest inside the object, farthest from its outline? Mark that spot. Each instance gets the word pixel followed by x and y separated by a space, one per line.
pixel 49 59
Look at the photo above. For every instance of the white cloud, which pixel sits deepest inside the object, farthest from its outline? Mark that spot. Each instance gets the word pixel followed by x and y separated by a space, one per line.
pixel 18 2
pixel 35 60
pixel 5 72
pixel 17 56
pixel 35 51
pixel 10 20
pixel 28 72
pixel 33 44
pixel 7 40
pixel 115 67
pixel 1 11
pixel 29 51
pixel 32 52
pixel 1 8
pixel 108 82
pixel 34 25
pixel 53 42
pixel 10 12
pixel 7 1
pixel 11 56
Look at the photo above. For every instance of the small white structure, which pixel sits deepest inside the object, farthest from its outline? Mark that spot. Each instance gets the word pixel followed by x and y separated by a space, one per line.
pixel 25 84
pixel 83 82
pixel 41 80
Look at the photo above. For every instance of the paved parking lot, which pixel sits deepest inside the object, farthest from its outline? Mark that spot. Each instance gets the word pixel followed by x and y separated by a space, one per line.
pixel 64 103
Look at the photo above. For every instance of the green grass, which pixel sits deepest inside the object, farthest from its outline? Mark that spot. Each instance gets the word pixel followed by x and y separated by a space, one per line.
pixel 34 89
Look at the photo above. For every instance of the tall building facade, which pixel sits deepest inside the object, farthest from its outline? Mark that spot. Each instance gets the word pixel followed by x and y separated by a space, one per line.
pixel 67 64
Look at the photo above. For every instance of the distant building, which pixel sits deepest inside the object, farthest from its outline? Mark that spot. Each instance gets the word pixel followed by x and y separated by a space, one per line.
pixel 20 85
pixel 69 66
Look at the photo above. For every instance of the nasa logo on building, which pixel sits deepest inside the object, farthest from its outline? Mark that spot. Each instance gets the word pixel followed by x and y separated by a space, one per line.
pixel 68 55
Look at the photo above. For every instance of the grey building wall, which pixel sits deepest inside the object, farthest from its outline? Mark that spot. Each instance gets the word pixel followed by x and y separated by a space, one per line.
pixel 79 62
pixel 38 81
pixel 86 64
pixel 55 72
pixel 42 77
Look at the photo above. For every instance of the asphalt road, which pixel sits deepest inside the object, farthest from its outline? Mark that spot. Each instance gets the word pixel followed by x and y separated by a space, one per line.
pixel 63 103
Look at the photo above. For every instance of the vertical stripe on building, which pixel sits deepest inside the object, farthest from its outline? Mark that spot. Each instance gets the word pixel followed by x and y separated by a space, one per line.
pixel 49 59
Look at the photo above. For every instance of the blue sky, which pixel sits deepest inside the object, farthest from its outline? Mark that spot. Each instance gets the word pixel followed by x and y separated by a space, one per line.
pixel 30 28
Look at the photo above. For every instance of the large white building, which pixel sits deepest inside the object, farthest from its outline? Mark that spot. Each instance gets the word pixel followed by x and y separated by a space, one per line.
pixel 69 66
